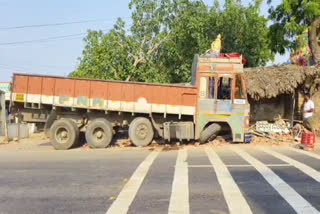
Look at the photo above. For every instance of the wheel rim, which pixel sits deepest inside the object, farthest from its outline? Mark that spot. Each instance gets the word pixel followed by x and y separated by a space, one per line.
pixel 142 131
pixel 99 134
pixel 62 135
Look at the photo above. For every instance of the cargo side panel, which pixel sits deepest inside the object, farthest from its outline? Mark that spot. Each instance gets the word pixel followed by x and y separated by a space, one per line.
pixel 34 89
pixel 99 95
pixel 82 94
pixel 189 100
pixel 158 98
pixel 114 95
pixel 127 102
pixel 64 92
pixel 142 98
pixel 20 88
pixel 47 94
pixel 105 95
pixel 174 98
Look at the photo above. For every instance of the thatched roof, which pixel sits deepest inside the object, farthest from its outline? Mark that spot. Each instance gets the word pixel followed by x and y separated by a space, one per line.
pixel 269 82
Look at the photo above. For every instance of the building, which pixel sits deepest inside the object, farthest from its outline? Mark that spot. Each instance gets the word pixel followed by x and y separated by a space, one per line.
pixel 278 90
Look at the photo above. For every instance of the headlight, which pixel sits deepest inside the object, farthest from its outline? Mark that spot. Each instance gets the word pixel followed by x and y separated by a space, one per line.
pixel 247 122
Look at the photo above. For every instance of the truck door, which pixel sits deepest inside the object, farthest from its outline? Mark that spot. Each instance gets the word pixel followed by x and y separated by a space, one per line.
pixel 207 94
pixel 240 108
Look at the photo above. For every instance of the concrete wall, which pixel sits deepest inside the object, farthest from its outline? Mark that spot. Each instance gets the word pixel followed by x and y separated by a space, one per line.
pixel 269 109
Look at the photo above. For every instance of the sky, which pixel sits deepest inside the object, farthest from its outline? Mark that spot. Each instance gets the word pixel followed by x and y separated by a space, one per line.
pixel 57 56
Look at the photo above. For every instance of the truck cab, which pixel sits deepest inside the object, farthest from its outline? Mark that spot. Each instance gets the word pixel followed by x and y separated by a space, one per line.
pixel 222 98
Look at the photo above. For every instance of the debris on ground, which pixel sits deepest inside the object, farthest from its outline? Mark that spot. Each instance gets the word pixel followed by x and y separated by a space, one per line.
pixel 197 144
pixel 275 133
pixel 124 143
pixel 219 141
pixel 273 139
pixel 85 146
pixel 279 126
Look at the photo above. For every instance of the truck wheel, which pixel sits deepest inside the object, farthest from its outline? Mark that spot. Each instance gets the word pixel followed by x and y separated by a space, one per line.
pixel 210 133
pixel 99 134
pixel 141 131
pixel 64 134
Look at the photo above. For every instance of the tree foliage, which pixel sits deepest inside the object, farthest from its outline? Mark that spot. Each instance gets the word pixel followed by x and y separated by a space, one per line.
pixel 291 18
pixel 166 34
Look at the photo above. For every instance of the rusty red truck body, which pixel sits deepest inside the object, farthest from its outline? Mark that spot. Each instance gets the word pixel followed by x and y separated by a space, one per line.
pixel 97 107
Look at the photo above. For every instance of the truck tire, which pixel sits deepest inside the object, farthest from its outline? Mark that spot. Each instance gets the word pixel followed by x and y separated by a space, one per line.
pixel 141 131
pixel 210 133
pixel 64 134
pixel 99 133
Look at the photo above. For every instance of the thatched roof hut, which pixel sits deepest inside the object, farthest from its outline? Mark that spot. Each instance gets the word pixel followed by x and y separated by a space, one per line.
pixel 269 82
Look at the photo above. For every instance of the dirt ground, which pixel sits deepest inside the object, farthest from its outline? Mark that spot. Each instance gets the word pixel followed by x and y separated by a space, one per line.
pixel 38 142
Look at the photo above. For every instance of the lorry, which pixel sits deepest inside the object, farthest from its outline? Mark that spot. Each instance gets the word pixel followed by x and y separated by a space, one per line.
pixel 215 101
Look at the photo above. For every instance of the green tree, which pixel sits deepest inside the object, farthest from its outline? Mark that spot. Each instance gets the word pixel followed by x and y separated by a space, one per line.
pixel 102 57
pixel 189 36
pixel 196 26
pixel 245 31
pixel 118 55
pixel 291 18
pixel 166 34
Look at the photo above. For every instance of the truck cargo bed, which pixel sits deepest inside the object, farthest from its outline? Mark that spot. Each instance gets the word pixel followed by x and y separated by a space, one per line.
pixel 38 91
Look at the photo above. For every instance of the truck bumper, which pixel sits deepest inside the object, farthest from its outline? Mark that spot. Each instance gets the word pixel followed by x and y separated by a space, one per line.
pixel 247 137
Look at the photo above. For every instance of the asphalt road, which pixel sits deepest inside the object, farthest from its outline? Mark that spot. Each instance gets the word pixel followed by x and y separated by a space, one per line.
pixel 232 179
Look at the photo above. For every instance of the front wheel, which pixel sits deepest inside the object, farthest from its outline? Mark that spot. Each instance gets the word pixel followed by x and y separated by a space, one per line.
pixel 210 133
pixel 141 131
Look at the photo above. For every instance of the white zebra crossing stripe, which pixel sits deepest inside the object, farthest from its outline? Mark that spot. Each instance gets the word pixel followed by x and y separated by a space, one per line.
pixel 237 204
pixel 122 203
pixel 297 202
pixel 179 200
pixel 311 154
pixel 304 168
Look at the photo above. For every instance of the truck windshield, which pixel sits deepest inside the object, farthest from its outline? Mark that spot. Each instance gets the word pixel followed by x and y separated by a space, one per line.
pixel 239 92
pixel 224 88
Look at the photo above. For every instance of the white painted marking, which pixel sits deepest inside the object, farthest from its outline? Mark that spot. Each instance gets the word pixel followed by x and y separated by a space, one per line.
pixel 179 200
pixel 200 166
pixel 303 167
pixel 122 203
pixel 237 204
pixel 284 164
pixel 248 165
pixel 236 165
pixel 311 154
pixel 297 202
pixel 239 165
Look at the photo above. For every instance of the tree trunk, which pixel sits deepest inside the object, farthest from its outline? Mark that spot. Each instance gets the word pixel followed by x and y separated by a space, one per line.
pixel 314 41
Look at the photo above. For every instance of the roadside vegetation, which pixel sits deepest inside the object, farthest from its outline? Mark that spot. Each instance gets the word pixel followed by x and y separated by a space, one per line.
pixel 160 44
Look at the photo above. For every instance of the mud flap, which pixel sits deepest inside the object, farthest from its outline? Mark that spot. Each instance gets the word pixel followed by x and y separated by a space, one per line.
pixel 52 117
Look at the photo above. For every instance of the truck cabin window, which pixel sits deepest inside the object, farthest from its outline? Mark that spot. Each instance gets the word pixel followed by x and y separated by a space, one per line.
pixel 203 87
pixel 239 89
pixel 211 88
pixel 224 88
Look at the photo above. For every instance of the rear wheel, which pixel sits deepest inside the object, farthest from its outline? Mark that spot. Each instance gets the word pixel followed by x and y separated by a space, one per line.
pixel 210 133
pixel 64 134
pixel 99 134
pixel 141 131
